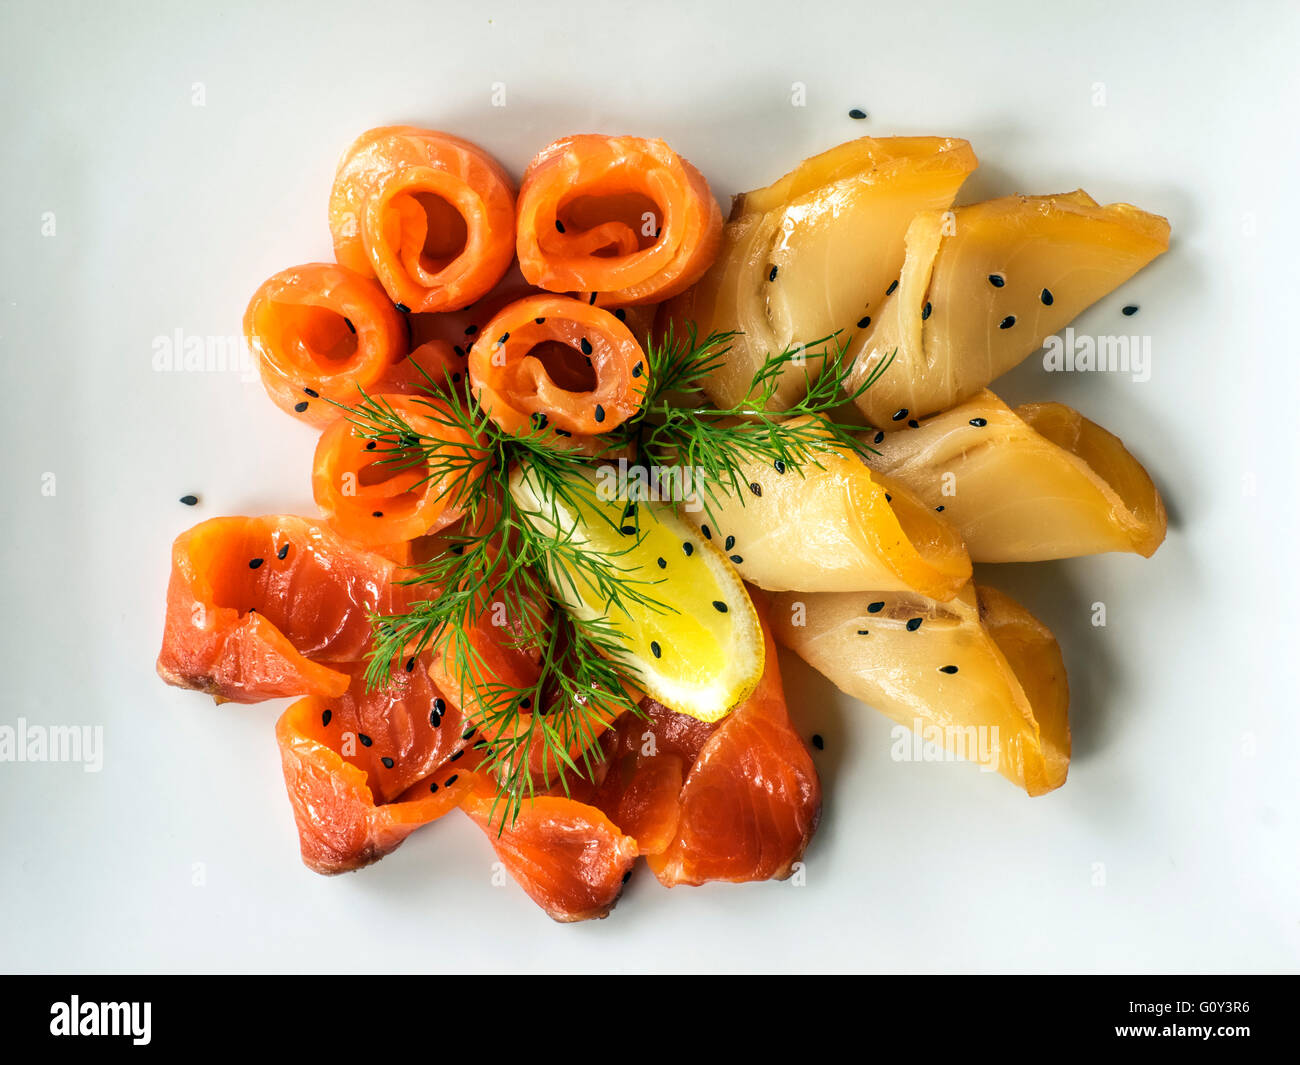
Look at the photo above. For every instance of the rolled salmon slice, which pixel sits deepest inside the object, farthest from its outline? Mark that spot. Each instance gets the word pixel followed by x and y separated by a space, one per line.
pixel 319 333
pixel 1025 485
pixel 431 215
pixel 379 489
pixel 978 675
pixel 550 361
pixel 569 857
pixel 259 608
pixel 835 525
pixel 342 824
pixel 620 220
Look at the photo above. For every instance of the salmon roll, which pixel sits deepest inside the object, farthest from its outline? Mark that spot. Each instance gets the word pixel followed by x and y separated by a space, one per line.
pixel 550 360
pixel 430 215
pixel 388 488
pixel 320 332
pixel 620 220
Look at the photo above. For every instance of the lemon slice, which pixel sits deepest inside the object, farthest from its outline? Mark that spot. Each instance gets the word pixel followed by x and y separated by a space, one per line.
pixel 697 648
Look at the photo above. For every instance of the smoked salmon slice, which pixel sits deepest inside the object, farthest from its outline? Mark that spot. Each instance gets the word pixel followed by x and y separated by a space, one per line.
pixel 319 333
pixel 550 360
pixel 430 215
pixel 341 825
pixel 569 857
pixel 752 800
pixel 259 608
pixel 387 489
pixel 619 220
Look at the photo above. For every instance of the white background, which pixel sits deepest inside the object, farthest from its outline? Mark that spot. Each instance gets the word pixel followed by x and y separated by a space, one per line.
pixel 169 215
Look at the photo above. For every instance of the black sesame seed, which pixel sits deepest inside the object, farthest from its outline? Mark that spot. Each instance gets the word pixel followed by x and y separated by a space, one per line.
pixel 451 780
pixel 947 669
pixel 627 530
pixel 688 548
pixel 756 488
pixel 627 876
pixel 366 741
pixel 458 350
pixel 888 498
pixel 539 419
pixel 563 432
pixel 890 290
pixel 190 501
pixel 1046 297
pixel 403 308
pixel 433 785
pixel 456 755
pixel 388 762
pixel 410 665
pixel 300 407
pixel 719 606
pixel 913 624
pixel 621 315
pixel 979 423
pixel 857 113
pixel 912 423
pixel 818 742
pixel 708 533
pixel 925 311
pixel 348 322
pixel 629 510
pixel 662 563
pixel 729 543
pixel 470 330
pixel 997 280
pixel 455 378
pixel 526 703
pixel 503 338
pixel 863 632
pixel 468 733
pixel 283 553
pixel 779 466
pixel 539 321
pixel 1130 310
pixel 457 549
pixel 900 414
pixel 586 346
pixel 376 513
pixel 440 706
pixel 875 608
pixel 592 301
pixel 737 559
pixel 771 274
pixel 939 509
pixel 1007 322
pixel 559 226
pixel 600 413
pixel 878 437
pixel 371 445
pixel 326 717
pixel 312 392
pixel 864 322
pixel 637 370
pixel 655 649
pixel 253 563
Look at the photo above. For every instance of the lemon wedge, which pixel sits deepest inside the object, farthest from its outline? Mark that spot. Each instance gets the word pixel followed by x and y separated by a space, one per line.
pixel 690 634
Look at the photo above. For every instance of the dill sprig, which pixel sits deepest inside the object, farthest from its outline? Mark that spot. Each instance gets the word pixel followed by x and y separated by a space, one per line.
pixel 525 561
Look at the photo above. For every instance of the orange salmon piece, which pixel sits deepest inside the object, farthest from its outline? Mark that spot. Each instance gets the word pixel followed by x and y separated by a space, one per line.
pixel 558 362
pixel 319 332
pixel 619 220
pixel 260 608
pixel 430 215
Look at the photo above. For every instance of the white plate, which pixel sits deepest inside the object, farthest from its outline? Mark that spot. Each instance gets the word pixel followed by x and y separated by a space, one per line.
pixel 1173 846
